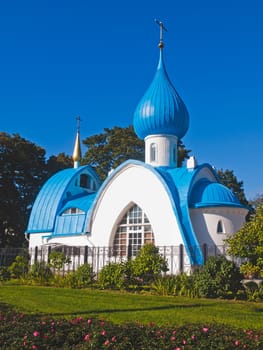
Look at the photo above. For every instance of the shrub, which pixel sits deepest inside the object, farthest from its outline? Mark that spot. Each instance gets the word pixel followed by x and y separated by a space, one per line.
pixel 57 260
pixel 40 272
pixel 4 273
pixel 19 268
pixel 149 264
pixel 181 285
pixel 218 277
pixel 114 275
pixel 83 277
pixel 18 331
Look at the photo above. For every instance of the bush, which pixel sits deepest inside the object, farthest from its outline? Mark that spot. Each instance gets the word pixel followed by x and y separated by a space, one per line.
pixel 19 268
pixel 149 264
pixel 83 277
pixel 18 331
pixel 40 272
pixel 179 285
pixel 115 275
pixel 218 277
pixel 57 260
pixel 4 273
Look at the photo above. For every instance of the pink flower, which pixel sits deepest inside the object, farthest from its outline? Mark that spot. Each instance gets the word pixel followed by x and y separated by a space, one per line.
pixel 177 348
pixel 89 321
pixel 205 329
pixel 173 338
pixel 174 332
pixel 107 342
pixel 236 343
pixel 113 339
pixel 86 338
pixel 193 337
pixel 103 332
pixel 34 347
pixel 36 334
pixel 184 341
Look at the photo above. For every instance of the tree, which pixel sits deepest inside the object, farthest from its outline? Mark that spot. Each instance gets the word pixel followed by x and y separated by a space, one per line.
pixel 59 162
pixel 228 179
pixel 109 149
pixel 257 201
pixel 248 243
pixel 22 172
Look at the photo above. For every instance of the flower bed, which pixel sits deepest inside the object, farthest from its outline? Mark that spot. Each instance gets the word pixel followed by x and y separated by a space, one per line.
pixel 19 331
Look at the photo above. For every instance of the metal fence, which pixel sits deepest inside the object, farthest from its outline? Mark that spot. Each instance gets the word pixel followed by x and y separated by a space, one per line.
pixel 98 257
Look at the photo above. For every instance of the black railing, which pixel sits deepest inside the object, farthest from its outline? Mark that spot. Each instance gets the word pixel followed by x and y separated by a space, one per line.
pixel 98 257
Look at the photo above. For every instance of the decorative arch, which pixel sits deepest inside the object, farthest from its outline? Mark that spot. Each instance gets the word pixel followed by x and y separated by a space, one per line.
pixel 132 232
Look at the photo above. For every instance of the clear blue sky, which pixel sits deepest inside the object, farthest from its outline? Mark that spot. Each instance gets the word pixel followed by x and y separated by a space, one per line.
pixel 64 58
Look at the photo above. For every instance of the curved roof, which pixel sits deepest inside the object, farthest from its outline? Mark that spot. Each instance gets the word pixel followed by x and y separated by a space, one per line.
pixel 206 193
pixel 161 110
pixel 53 196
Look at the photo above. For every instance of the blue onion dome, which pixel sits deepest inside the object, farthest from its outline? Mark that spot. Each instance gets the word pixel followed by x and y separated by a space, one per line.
pixel 161 110
pixel 206 193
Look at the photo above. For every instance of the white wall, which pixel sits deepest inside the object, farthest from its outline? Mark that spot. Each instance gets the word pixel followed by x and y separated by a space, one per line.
pixel 135 184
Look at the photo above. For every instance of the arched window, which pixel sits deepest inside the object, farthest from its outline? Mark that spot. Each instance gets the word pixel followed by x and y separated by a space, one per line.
pixel 153 152
pixel 84 181
pixel 220 228
pixel 72 211
pixel 133 231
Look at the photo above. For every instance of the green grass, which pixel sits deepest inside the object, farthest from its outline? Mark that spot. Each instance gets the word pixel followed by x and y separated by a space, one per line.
pixel 122 307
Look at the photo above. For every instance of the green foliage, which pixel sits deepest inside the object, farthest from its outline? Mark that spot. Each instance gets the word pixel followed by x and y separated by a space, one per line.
pixel 19 268
pixel 218 277
pixel 83 277
pixel 58 259
pixel 115 275
pixel 22 165
pixel 109 149
pixel 179 285
pixel 4 273
pixel 254 291
pixel 149 264
pixel 59 162
pixel 248 242
pixel 40 272
pixel 228 179
pixel 33 332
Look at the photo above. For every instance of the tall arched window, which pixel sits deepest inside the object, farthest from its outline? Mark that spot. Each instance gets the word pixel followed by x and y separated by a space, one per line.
pixel 133 231
pixel 153 152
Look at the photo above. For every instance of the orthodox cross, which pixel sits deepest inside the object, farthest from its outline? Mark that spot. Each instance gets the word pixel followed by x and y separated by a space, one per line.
pixel 78 123
pixel 162 28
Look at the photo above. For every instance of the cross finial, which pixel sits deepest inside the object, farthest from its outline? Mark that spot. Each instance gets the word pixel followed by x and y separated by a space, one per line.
pixel 162 28
pixel 78 123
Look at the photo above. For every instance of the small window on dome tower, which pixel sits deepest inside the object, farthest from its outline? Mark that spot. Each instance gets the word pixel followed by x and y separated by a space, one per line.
pixel 220 228
pixel 153 152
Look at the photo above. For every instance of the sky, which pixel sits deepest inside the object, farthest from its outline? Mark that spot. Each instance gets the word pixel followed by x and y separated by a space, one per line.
pixel 60 59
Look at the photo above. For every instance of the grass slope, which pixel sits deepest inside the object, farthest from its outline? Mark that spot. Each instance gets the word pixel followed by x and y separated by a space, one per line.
pixel 122 307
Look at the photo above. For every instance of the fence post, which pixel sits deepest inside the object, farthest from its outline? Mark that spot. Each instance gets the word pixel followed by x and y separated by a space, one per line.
pixel 181 258
pixel 35 254
pixel 205 251
pixel 85 254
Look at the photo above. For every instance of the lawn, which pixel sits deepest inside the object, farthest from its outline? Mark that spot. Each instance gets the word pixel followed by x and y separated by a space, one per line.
pixel 121 307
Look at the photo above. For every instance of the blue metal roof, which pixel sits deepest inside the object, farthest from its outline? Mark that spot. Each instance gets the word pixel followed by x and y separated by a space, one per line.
pixel 52 198
pixel 206 193
pixel 161 110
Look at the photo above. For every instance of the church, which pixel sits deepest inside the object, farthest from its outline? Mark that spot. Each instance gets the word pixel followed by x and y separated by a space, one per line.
pixel 141 202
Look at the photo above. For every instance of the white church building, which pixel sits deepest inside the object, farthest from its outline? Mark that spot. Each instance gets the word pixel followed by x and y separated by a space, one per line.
pixel 181 208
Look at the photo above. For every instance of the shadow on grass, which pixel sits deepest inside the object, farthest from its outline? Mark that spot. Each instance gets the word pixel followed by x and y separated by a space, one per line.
pixel 6 308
